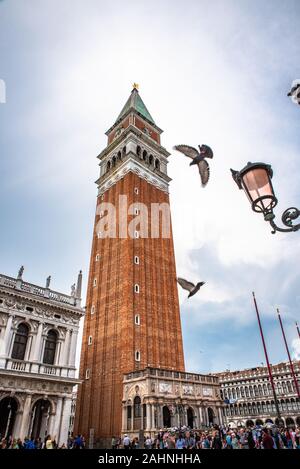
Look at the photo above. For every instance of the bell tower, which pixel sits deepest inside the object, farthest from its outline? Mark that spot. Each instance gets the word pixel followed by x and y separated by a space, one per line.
pixel 132 311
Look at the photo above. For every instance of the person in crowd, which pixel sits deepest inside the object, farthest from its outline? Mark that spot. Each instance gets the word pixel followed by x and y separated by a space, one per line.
pixel 126 442
pixel 267 440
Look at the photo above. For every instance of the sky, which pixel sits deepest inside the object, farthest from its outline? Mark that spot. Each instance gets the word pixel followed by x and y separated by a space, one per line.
pixel 213 72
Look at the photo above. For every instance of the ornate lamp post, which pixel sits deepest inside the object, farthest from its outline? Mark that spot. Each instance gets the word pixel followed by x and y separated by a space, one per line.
pixel 255 180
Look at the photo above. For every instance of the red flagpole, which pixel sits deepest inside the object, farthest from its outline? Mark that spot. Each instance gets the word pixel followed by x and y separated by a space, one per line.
pixel 267 359
pixel 288 352
pixel 298 329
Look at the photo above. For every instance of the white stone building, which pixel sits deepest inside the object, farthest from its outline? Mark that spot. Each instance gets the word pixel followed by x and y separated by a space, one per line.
pixel 38 339
pixel 154 398
pixel 251 399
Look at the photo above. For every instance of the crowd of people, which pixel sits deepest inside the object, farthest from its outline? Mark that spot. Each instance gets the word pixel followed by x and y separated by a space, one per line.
pixel 37 443
pixel 268 437
pixel 216 437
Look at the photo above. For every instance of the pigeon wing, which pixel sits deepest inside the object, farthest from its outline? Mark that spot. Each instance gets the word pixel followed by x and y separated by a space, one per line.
pixel 185 284
pixel 203 167
pixel 191 152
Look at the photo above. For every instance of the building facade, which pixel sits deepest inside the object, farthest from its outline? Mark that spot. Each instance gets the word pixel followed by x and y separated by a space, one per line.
pixel 251 398
pixel 38 339
pixel 155 399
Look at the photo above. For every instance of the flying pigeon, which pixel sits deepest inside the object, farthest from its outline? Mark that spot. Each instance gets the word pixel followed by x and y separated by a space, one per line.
pixel 189 286
pixel 198 159
pixel 295 92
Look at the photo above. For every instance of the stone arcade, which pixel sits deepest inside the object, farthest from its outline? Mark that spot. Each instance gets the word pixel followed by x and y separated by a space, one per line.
pixel 156 398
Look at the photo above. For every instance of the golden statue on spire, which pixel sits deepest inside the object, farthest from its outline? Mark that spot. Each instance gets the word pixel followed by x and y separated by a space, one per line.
pixel 135 86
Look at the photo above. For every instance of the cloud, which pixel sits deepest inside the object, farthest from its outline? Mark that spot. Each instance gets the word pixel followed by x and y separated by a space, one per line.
pixel 296 349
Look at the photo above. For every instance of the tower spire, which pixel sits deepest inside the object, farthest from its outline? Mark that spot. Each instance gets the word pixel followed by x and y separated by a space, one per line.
pixel 135 103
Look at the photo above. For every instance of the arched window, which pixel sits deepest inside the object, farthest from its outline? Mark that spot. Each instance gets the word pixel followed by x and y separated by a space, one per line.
pixel 150 159
pixel 114 161
pixel 124 151
pixel 137 407
pixel 144 155
pixel 50 347
pixel 138 150
pixel 108 166
pixel 157 165
pixel 20 342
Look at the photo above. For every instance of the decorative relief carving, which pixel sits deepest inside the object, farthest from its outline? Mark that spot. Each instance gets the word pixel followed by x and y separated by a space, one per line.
pixel 3 319
pixel 188 389
pixel 165 388
pixel 9 303
pixel 34 325
pixel 207 391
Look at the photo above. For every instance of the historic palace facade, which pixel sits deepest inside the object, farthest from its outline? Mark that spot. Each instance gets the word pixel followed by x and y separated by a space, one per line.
pixel 38 339
pixel 132 310
pixel 251 398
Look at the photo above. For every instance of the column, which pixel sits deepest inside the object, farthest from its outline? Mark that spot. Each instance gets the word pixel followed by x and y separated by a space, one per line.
pixel 142 417
pixel 132 417
pixel 67 344
pixel 160 419
pixel 43 347
pixel 124 418
pixel 17 425
pixel 24 427
pixel 73 348
pixel 56 426
pixel 6 336
pixel 36 352
pixel 153 416
pixel 200 417
pixel 2 332
pixel 35 355
pixel 220 416
pixel 57 359
pixel 65 421
pixel 148 414
pixel 205 418
pixel 185 420
pixel 28 347
pixel 51 424
pixel 178 419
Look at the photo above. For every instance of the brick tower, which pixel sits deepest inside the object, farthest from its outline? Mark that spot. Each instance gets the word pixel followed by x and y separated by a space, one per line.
pixel 132 310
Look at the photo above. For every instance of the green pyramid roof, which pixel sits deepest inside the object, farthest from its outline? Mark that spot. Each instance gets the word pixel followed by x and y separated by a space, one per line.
pixel 135 102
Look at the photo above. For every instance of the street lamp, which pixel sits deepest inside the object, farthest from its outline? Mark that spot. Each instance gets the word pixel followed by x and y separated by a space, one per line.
pixel 255 180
